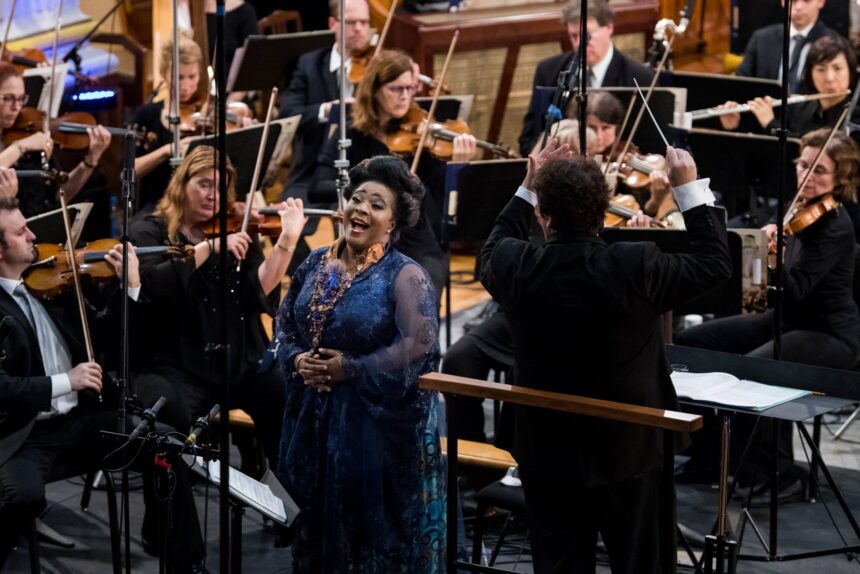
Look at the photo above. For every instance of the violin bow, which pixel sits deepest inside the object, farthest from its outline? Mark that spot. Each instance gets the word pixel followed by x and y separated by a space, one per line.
pixel 433 103
pixel 385 26
pixel 789 212
pixel 259 165
pixel 638 120
pixel 76 279
pixel 8 27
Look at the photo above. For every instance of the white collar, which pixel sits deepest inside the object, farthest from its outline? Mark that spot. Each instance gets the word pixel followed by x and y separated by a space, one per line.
pixel 334 61
pixel 599 69
pixel 9 285
pixel 792 32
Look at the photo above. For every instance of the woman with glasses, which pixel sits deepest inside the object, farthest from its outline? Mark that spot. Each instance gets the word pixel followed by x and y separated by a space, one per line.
pixel 382 100
pixel 831 68
pixel 34 152
pixel 821 325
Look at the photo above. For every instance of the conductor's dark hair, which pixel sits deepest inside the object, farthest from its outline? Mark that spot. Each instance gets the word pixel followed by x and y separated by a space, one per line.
pixel 824 50
pixel 393 173
pixel 573 194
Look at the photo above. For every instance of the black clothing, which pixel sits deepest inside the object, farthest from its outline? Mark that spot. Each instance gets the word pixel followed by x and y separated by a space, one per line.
pixel 606 301
pixel 621 72
pixel 763 54
pixel 821 327
pixel 240 23
pixel 36 195
pixel 29 449
pixel 806 117
pixel 420 242
pixel 312 84
pixel 183 320
pixel 151 186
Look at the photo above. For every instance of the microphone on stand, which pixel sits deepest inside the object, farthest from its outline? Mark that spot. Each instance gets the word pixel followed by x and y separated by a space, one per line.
pixel 199 428
pixel 148 419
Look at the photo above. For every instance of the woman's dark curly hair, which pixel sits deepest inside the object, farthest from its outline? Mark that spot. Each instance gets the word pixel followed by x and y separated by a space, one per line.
pixel 572 193
pixel 393 173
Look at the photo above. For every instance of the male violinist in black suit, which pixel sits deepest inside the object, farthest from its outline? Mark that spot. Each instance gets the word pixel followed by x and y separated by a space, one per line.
pixel 49 413
pixel 606 66
pixel 763 54
pixel 585 320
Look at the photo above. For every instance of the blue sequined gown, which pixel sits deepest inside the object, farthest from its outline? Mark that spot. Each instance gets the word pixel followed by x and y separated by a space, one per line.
pixel 363 461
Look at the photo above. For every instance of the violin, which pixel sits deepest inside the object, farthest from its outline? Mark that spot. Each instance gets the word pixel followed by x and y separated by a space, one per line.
pixel 805 215
pixel 440 144
pixel 68 131
pixel 25 59
pixel 635 170
pixel 52 273
pixel 623 207
pixel 265 221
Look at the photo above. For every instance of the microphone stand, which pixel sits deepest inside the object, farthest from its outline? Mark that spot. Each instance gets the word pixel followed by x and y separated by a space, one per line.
pixel 73 54
pixel 174 116
pixel 222 349
pixel 342 163
pixel 782 133
pixel 582 96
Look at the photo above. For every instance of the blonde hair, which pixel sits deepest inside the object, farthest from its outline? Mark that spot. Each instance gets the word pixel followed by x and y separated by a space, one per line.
pixel 171 207
pixel 189 53
pixel 384 68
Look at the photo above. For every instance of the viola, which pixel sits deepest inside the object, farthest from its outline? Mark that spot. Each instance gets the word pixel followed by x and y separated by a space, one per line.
pixel 440 144
pixel 52 274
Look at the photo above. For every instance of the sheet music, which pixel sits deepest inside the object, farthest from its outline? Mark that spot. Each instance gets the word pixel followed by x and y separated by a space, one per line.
pixel 728 390
pixel 249 490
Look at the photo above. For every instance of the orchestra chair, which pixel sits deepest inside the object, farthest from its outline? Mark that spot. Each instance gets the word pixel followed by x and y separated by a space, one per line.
pixel 254 462
pixel 731 63
pixel 280 22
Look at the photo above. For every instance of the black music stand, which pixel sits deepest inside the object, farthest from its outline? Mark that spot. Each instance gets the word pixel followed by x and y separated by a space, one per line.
pixel 832 382
pixel 242 147
pixel 475 194
pixel 271 60
pixel 741 167
pixel 724 300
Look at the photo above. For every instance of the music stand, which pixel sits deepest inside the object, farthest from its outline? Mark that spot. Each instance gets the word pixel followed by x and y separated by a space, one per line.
pixel 242 147
pixel 48 227
pixel 272 59
pixel 37 78
pixel 750 166
pixel 726 299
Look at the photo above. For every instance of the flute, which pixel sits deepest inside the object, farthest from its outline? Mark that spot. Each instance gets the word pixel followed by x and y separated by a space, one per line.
pixel 694 115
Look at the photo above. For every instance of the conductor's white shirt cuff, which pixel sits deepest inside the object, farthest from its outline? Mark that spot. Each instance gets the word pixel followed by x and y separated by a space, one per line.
pixel 528 195
pixel 60 385
pixel 693 194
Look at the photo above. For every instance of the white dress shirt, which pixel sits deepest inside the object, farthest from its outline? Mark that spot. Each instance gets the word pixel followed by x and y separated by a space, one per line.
pixel 333 65
pixel 599 69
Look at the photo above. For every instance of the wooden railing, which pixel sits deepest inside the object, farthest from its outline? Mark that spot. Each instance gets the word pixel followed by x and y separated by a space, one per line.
pixel 452 387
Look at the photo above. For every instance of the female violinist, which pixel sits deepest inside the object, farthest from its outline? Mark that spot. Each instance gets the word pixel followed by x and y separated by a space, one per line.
pixel 831 68
pixel 36 195
pixel 383 98
pixel 821 322
pixel 183 317
pixel 154 150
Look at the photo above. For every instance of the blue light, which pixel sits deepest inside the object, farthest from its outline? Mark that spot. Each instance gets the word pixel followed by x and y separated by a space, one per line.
pixel 94 96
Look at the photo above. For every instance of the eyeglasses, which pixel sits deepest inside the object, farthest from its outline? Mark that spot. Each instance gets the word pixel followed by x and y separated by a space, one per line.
pixel 9 98
pixel 395 90
pixel 349 23
pixel 819 171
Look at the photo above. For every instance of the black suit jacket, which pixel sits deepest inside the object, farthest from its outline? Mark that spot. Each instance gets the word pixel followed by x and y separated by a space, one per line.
pixel 763 53
pixel 585 320
pixel 620 73
pixel 24 388
pixel 312 84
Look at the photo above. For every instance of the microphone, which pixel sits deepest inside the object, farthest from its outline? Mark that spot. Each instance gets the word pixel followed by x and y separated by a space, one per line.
pixel 148 419
pixel 200 427
pixel 686 14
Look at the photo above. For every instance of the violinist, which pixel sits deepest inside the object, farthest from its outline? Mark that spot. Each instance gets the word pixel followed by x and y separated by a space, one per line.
pixel 313 90
pixel 36 195
pixel 821 322
pixel 184 295
pixel 382 100
pixel 49 415
pixel 155 148
pixel 831 68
